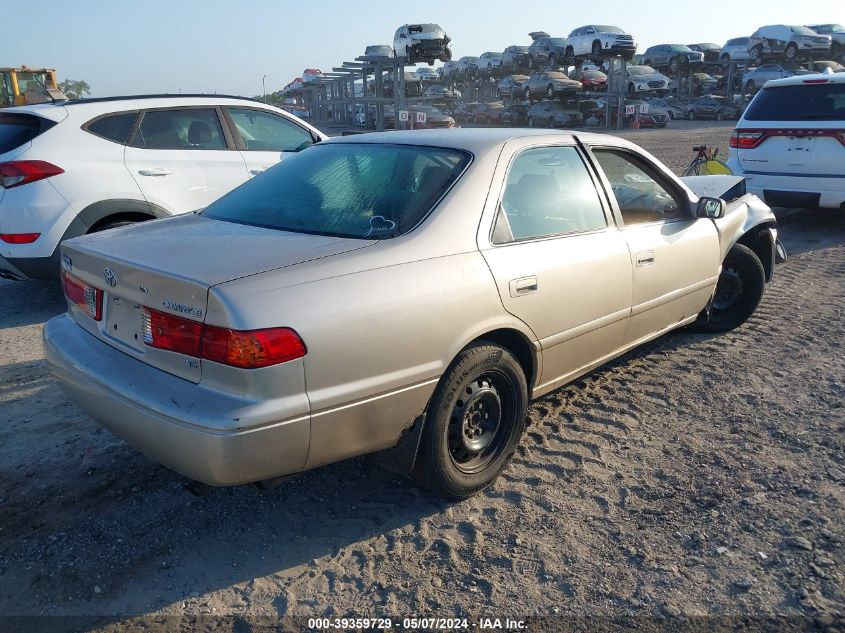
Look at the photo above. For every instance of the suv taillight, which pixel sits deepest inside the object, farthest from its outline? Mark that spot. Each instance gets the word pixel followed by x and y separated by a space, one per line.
pixel 21 172
pixel 88 298
pixel 243 349
pixel 746 140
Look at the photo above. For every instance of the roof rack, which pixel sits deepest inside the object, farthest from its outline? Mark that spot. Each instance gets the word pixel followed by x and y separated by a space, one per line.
pixel 158 96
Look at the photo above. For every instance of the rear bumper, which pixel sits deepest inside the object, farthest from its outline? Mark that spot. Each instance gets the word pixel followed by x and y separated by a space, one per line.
pixel 9 271
pixel 793 191
pixel 23 268
pixel 210 436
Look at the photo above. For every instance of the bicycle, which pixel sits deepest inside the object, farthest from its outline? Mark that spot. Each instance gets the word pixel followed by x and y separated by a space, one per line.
pixel 706 163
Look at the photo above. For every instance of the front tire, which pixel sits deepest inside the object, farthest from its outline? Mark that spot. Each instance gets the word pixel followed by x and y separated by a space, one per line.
pixel 691 115
pixel 791 53
pixel 550 91
pixel 474 422
pixel 738 292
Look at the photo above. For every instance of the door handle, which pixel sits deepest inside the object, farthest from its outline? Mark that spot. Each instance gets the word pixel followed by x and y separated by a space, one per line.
pixel 523 286
pixel 155 171
pixel 645 258
pixel 255 172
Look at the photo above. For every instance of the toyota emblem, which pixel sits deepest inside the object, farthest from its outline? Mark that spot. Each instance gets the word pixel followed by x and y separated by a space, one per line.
pixel 110 276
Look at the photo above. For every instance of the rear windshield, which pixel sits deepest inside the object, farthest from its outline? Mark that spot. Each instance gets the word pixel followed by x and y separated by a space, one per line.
pixel 803 102
pixel 17 129
pixel 363 191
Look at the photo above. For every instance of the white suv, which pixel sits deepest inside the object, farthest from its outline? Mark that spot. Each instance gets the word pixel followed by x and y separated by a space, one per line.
pixel 790 142
pixel 596 41
pixel 71 168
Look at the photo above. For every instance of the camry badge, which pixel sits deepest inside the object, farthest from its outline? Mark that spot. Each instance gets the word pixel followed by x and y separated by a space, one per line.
pixel 110 277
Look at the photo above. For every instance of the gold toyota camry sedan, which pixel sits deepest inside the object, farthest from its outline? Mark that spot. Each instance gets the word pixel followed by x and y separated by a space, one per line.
pixel 406 293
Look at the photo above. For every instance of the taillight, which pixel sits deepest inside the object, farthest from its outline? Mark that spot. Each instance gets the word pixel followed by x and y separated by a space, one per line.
pixel 173 333
pixel 247 350
pixel 21 172
pixel 252 349
pixel 749 139
pixel 19 238
pixel 88 298
pixel 746 140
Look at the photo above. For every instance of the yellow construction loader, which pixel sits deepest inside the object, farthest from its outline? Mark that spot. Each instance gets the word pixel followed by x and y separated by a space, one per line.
pixel 22 86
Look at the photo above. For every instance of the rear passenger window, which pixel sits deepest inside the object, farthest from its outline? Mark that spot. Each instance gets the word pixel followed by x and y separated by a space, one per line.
pixel 269 132
pixel 114 127
pixel 548 192
pixel 185 128
pixel 17 129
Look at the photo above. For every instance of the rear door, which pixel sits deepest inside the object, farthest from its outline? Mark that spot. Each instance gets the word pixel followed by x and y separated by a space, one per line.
pixel 183 159
pixel 675 257
pixel 560 265
pixel 265 138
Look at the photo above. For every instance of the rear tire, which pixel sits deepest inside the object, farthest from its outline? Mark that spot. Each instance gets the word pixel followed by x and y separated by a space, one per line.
pixel 111 225
pixel 531 121
pixel 473 423
pixel 738 292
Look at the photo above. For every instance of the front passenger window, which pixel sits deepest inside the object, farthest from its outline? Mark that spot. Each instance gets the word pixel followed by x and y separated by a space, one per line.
pixel 548 192
pixel 264 131
pixel 638 190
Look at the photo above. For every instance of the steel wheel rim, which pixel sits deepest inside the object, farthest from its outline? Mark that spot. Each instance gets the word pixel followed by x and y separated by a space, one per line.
pixel 478 429
pixel 729 289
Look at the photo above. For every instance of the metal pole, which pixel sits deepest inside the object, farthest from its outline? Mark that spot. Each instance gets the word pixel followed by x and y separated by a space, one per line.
pixel 263 89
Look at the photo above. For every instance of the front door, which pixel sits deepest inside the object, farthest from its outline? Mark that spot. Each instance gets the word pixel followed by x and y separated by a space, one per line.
pixel 265 138
pixel 560 266
pixel 181 158
pixel 674 255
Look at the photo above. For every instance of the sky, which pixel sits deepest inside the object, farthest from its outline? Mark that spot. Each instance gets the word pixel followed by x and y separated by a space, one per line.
pixel 168 46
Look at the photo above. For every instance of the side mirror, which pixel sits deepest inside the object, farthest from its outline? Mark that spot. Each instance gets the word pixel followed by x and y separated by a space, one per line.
pixel 710 208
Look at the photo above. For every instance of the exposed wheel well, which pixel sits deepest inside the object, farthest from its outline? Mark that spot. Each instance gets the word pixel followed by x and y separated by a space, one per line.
pixel 129 216
pixel 759 240
pixel 516 343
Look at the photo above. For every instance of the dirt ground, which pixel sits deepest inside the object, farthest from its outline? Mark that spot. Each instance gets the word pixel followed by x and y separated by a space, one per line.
pixel 697 476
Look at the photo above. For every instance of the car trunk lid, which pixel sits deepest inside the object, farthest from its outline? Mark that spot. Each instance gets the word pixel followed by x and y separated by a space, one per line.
pixel 169 266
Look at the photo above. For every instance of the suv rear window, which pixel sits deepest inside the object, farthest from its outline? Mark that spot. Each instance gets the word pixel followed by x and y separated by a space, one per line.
pixel 17 129
pixel 352 190
pixel 802 102
pixel 114 127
